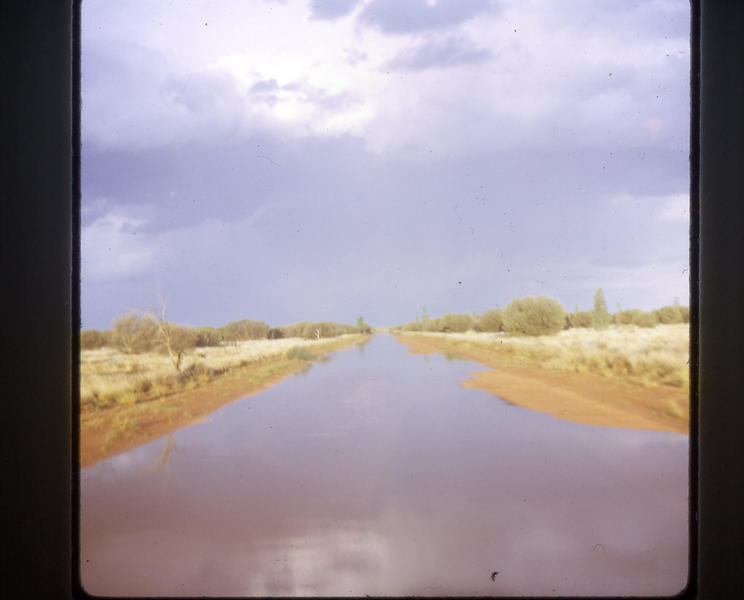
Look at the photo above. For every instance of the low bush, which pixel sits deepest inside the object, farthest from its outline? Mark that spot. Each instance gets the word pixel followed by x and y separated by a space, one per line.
pixel 626 317
pixel 637 317
pixel 534 316
pixel 600 317
pixel 135 333
pixel 432 325
pixel 645 319
pixel 490 321
pixel 197 372
pixel 413 326
pixel 143 386
pixel 311 330
pixel 457 323
pixel 299 353
pixel 206 336
pixel 581 318
pixel 90 339
pixel 245 329
pixel 668 315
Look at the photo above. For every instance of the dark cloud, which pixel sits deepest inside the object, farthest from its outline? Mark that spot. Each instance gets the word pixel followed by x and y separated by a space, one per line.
pixel 267 85
pixel 449 52
pixel 393 16
pixel 328 222
pixel 331 9
pixel 265 91
pixel 558 192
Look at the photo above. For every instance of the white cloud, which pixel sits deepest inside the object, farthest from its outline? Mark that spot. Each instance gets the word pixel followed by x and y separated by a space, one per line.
pixel 646 286
pixel 190 83
pixel 675 208
pixel 160 75
pixel 112 248
pixel 666 208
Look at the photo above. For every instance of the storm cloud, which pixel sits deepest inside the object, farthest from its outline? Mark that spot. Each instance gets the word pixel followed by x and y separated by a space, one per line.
pixel 449 52
pixel 280 161
pixel 392 16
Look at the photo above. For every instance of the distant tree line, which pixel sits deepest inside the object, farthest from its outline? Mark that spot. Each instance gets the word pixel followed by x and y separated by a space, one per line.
pixel 147 331
pixel 545 316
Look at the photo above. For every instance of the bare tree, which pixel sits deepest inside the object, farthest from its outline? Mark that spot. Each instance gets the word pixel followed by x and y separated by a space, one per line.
pixel 133 333
pixel 169 334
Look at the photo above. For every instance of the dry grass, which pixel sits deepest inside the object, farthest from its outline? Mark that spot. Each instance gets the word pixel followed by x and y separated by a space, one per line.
pixel 109 377
pixel 647 356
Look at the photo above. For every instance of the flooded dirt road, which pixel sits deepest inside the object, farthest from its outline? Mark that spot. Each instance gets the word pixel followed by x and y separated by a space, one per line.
pixel 377 473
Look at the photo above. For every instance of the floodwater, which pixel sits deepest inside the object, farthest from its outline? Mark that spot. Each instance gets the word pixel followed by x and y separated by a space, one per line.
pixel 376 473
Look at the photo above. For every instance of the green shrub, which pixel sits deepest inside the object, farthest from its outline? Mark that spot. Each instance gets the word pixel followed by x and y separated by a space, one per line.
pixel 245 329
pixel 534 316
pixel 413 326
pixel 312 331
pixel 90 339
pixel 143 386
pixel 179 338
pixel 135 333
pixel 325 329
pixel 449 323
pixel 645 319
pixel 456 323
pixel 669 314
pixel 299 353
pixel 581 318
pixel 198 371
pixel 362 327
pixel 491 320
pixel 600 316
pixel 432 325
pixel 275 333
pixel 293 330
pixel 206 336
pixel 627 317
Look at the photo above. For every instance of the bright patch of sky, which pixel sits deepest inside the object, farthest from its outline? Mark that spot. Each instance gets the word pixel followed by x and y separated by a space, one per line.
pixel 292 160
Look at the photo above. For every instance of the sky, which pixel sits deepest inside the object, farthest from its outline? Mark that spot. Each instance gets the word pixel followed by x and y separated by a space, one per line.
pixel 329 159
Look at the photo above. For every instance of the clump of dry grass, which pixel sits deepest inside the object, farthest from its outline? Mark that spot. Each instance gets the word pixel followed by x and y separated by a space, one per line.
pixel 109 377
pixel 657 356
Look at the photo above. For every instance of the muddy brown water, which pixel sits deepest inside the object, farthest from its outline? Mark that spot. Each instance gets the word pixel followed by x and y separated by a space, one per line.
pixel 377 473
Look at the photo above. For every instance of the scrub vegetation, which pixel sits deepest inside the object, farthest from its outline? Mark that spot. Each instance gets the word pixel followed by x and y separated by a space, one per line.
pixel 110 377
pixel 130 399
pixel 142 331
pixel 147 376
pixel 646 356
pixel 146 372
pixel 627 369
pixel 648 348
pixel 540 316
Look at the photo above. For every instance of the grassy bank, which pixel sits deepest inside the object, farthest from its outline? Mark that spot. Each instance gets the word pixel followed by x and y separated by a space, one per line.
pixel 130 399
pixel 621 376
pixel 648 357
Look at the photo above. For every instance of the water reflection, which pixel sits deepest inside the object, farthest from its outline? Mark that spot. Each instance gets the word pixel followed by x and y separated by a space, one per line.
pixel 163 464
pixel 304 370
pixel 360 345
pixel 326 358
pixel 379 474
